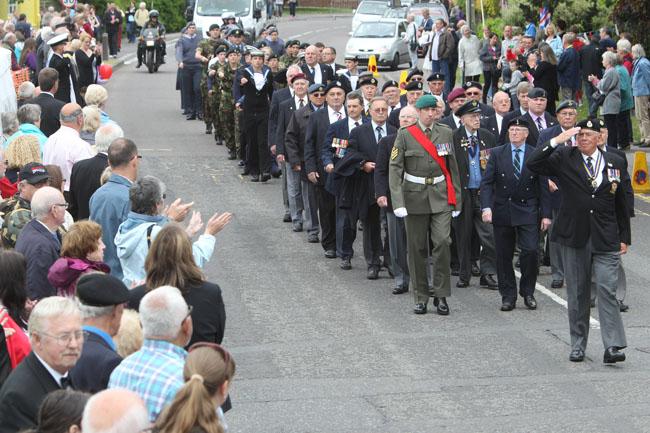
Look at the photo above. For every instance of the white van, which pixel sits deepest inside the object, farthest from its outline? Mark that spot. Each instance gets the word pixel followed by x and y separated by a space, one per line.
pixel 250 13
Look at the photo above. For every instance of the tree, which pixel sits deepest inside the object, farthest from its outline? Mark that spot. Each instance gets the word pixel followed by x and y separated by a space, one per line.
pixel 633 16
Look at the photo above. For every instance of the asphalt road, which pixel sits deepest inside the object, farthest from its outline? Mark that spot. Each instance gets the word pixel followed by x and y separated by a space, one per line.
pixel 324 350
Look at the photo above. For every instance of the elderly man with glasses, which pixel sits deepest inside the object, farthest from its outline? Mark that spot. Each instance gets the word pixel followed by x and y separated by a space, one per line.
pixel 57 339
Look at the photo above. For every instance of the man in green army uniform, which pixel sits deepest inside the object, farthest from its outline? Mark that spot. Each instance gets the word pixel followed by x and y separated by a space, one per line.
pixel 205 52
pixel 17 211
pixel 214 91
pixel 228 115
pixel 425 190
pixel 290 57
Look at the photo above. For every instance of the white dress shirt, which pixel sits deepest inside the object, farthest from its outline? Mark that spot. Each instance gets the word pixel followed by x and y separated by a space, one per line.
pixel 318 74
pixel 333 116
pixel 64 148
pixel 351 123
pixel 598 163
pixel 305 101
pixel 383 130
pixel 456 120
pixel 499 121
pixel 55 374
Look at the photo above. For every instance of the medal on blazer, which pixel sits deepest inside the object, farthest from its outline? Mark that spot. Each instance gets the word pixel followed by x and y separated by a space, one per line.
pixel 484 155
pixel 340 145
pixel 443 148
pixel 614 176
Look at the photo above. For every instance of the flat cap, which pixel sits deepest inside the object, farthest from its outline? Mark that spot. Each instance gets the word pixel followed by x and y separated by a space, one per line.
pixel 101 290
pixel 414 85
pixel 566 104
pixel 469 107
pixel 456 93
pixel 518 121
pixel 426 101
pixel 390 83
pixel 316 88
pixel 436 76
pixel 368 80
pixel 537 92
pixel 592 124
pixel 469 84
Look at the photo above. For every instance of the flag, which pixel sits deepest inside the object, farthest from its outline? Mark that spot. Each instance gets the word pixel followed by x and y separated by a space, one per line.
pixel 544 17
pixel 372 66
pixel 402 81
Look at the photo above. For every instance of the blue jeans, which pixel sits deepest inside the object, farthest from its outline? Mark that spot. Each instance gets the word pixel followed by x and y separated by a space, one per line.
pixel 442 66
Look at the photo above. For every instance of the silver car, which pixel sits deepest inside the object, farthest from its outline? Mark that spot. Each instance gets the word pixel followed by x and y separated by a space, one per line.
pixel 384 38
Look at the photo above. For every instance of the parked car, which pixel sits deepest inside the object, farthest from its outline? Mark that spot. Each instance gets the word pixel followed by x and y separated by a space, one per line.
pixel 399 12
pixel 384 38
pixel 368 10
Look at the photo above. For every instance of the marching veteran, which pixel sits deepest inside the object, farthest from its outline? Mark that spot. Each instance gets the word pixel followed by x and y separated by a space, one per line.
pixel 425 189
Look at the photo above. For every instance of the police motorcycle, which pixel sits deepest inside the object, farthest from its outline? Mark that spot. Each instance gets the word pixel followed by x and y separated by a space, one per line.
pixel 152 55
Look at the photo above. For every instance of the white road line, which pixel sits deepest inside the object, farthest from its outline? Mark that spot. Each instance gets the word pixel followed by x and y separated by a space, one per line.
pixel 595 324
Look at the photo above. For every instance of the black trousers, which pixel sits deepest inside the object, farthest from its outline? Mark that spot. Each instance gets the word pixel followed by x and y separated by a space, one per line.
pixel 623 127
pixel 112 41
pixel 612 129
pixel 191 88
pixel 372 246
pixel 258 158
pixel 327 217
pixel 491 80
pixel 526 238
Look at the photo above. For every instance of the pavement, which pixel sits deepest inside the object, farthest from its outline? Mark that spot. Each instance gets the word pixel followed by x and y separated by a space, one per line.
pixel 322 350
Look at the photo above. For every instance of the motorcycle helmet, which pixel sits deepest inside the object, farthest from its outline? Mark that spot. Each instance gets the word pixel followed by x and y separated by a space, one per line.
pixel 154 14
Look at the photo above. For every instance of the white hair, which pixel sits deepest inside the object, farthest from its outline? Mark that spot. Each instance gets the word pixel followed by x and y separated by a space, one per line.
pixel 92 118
pixel 292 70
pixel 47 308
pixel 638 51
pixel 26 90
pixel 105 135
pixel 162 311
pixel 610 58
pixel 96 95
pixel 92 312
pixel 624 45
pixel 29 113
pixel 115 411
pixel 43 200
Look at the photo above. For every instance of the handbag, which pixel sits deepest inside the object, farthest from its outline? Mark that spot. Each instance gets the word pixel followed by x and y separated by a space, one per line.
pixel 598 98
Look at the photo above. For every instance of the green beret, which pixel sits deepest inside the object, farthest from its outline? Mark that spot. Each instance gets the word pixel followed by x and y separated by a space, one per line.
pixel 426 101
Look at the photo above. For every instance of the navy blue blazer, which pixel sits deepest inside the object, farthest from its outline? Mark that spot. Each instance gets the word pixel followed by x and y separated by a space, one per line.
pixel 317 126
pixel 533 132
pixel 278 97
pixel 503 136
pixel 382 162
pixel 93 369
pixel 338 130
pixel 285 111
pixel 544 136
pixel 41 250
pixel 513 202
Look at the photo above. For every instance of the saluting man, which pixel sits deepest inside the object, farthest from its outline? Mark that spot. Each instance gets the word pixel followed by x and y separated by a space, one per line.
pixel 425 189
pixel 593 228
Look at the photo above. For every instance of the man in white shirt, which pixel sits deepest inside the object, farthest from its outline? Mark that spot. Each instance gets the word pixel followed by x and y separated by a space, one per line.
pixel 65 147
pixel 368 86
pixel 501 105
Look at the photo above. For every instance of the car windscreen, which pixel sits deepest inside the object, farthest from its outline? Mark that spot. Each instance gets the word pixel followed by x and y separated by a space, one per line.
pixel 372 8
pixel 215 8
pixel 375 30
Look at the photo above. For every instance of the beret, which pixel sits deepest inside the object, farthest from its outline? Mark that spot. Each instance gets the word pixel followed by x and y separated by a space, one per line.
pixel 299 76
pixel 101 290
pixel 368 80
pixel 335 84
pixel 469 107
pixel 469 84
pixel 566 104
pixel 456 93
pixel 316 88
pixel 391 83
pixel 592 124
pixel 426 101
pixel 518 121
pixel 233 50
pixel 214 26
pixel 436 76
pixel 537 92
pixel 412 72
pixel 414 85
pixel 291 42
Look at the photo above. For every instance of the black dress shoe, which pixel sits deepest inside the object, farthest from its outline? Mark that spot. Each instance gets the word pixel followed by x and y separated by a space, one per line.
pixel 577 355
pixel 255 178
pixel 330 254
pixel 461 283
pixel 276 173
pixel 455 272
pixel 286 218
pixel 266 177
pixel 507 306
pixel 373 272
pixel 313 238
pixel 557 284
pixel 345 264
pixel 297 226
pixel 476 272
pixel 530 302
pixel 441 306
pixel 612 355
pixel 191 117
pixel 622 307
pixel 400 289
pixel 420 308
pixel 489 282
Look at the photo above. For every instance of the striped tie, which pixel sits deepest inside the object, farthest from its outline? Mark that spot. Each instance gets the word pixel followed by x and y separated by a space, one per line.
pixel 517 164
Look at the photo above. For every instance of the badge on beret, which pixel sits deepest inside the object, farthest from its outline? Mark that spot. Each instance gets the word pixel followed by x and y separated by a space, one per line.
pixel 394 153
pixel 590 124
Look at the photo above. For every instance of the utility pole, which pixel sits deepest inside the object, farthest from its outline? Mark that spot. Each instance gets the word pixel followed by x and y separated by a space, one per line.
pixel 469 13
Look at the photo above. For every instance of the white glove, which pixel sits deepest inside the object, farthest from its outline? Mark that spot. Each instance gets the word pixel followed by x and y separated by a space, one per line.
pixel 455 213
pixel 400 212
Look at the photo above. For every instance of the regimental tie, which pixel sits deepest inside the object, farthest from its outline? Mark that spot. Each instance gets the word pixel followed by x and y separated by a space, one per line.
pixel 302 103
pixel 66 383
pixel 539 123
pixel 517 164
pixel 473 141
pixel 356 124
pixel 379 136
pixel 338 115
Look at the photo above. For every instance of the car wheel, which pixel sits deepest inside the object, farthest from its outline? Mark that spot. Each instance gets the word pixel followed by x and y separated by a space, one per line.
pixel 395 64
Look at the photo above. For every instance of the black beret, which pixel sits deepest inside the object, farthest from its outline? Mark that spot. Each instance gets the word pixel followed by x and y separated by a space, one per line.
pixel 236 32
pixel 233 50
pixel 262 44
pixel 272 56
pixel 436 76
pixel 414 71
pixel 469 84
pixel 391 83
pixel 214 26
pixel 101 290
pixel 304 45
pixel 469 107
pixel 592 124
pixel 221 49
pixel 537 92
pixel 518 121
pixel 414 85
pixel 566 104
pixel 368 80
pixel 334 84
pixel 291 42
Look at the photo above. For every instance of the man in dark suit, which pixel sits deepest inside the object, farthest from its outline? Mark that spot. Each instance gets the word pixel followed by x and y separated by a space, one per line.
pixel 593 229
pixel 302 193
pixel 319 121
pixel 85 177
pixel 359 196
pixel 494 123
pixel 48 81
pixel 334 149
pixel 101 301
pixel 40 242
pixel 537 117
pixel 68 90
pixel 522 99
pixel 57 338
pixel 396 228
pixel 511 199
pixel 474 90
pixel 472 146
pixel 316 72
pixel 455 100
pixel 328 58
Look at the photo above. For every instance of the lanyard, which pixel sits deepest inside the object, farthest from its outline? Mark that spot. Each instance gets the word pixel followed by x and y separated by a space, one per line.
pixel 592 173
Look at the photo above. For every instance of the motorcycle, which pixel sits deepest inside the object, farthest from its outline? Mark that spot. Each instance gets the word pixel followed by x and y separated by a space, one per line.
pixel 152 55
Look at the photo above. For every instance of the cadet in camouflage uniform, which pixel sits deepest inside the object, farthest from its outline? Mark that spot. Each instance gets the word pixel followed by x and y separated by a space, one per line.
pixel 228 115
pixel 214 91
pixel 290 57
pixel 17 211
pixel 204 52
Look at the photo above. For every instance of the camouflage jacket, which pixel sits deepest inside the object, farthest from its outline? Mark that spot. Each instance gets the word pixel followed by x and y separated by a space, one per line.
pixel 16 212
pixel 207 47
pixel 286 60
pixel 226 77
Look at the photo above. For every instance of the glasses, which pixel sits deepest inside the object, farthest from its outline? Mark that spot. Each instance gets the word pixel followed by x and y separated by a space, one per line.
pixel 318 95
pixel 63 205
pixel 380 110
pixel 65 339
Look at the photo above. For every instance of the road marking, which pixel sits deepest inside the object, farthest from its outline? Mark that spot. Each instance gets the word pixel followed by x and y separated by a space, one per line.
pixel 595 324
pixel 643 197
pixel 637 211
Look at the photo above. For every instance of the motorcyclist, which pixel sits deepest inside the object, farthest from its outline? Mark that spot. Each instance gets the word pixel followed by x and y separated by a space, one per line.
pixel 161 47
